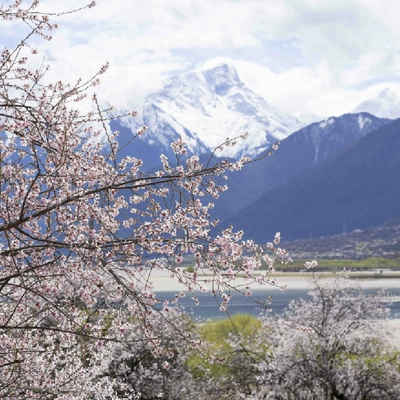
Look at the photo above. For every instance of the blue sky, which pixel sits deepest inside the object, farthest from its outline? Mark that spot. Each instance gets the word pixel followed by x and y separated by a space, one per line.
pixel 308 56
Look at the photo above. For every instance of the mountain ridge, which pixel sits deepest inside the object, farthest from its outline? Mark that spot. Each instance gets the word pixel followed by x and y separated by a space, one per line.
pixel 299 152
pixel 358 188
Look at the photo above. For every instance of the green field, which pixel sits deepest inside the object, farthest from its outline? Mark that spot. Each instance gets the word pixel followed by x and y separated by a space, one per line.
pixel 336 265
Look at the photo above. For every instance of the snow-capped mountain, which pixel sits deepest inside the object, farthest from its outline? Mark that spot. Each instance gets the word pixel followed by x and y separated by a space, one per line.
pixel 384 104
pixel 205 108
pixel 303 150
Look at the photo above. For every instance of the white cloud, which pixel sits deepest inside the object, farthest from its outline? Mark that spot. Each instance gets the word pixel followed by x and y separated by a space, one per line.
pixel 306 55
pixel 299 90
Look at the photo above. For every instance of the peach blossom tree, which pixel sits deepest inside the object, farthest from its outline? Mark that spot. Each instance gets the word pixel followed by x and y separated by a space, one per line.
pixel 82 229
pixel 332 346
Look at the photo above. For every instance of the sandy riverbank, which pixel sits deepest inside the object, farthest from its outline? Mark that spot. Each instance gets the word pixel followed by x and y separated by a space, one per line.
pixel 372 279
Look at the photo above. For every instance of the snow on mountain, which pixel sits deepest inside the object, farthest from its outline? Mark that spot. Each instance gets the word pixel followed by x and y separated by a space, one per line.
pixel 363 121
pixel 384 104
pixel 206 107
pixel 327 122
pixel 335 133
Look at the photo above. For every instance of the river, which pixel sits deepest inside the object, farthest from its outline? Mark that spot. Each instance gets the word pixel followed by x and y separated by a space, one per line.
pixel 208 307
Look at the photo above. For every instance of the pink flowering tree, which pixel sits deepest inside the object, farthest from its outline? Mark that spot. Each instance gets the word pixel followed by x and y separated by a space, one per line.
pixel 72 280
pixel 334 346
pixel 135 367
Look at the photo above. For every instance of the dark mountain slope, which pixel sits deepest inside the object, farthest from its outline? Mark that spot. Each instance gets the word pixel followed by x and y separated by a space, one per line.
pixel 297 153
pixel 358 188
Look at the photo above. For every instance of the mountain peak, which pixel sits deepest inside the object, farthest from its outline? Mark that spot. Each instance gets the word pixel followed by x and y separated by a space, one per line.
pixel 204 107
pixel 217 80
pixel 221 78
